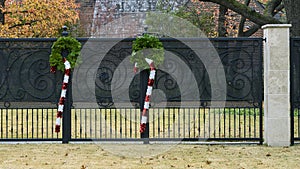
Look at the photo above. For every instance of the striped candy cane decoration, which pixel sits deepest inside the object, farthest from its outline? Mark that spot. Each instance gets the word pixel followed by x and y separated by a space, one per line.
pixel 144 118
pixel 62 98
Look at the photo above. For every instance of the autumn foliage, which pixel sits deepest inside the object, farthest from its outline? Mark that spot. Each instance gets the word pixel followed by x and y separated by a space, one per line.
pixel 37 18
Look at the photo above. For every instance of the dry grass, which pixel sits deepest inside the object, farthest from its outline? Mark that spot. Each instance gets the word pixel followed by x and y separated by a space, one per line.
pixel 93 156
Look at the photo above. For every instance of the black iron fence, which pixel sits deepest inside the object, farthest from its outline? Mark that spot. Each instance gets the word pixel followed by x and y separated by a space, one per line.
pixel 295 89
pixel 101 109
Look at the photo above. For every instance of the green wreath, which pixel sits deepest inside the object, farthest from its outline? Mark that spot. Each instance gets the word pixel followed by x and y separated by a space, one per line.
pixel 73 48
pixel 147 46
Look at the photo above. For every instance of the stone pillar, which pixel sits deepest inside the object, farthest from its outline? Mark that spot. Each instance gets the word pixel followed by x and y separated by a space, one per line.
pixel 277 85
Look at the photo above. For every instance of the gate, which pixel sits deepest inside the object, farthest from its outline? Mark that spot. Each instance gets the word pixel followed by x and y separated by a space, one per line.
pixel 295 89
pixel 29 95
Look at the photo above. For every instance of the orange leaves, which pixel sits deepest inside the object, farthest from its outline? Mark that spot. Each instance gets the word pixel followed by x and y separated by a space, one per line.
pixel 37 18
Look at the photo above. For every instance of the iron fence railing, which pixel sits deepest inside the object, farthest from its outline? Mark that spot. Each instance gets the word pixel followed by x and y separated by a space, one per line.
pixel 29 92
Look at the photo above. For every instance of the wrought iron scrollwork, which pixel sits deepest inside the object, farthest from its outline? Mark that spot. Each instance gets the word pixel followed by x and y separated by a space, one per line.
pixel 25 72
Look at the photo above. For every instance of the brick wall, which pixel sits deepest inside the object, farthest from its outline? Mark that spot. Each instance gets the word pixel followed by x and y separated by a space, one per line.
pixel 106 21
pixel 86 16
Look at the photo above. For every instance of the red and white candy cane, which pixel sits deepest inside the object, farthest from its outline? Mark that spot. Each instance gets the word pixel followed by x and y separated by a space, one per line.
pixel 144 118
pixel 62 98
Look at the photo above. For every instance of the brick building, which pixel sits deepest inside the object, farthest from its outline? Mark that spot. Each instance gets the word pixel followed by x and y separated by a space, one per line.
pixel 112 18
pixel 117 18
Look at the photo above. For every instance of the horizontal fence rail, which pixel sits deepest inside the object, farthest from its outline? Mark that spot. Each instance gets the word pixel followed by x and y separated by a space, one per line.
pixel 29 93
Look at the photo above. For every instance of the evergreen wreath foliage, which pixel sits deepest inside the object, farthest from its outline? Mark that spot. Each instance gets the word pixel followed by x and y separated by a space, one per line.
pixel 147 46
pixel 73 48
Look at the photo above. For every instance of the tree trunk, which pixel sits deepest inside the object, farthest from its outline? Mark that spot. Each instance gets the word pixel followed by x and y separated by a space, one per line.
pixel 292 8
pixel 221 21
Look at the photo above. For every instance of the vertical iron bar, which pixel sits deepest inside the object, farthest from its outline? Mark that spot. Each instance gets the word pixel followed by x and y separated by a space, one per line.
pixel 116 123
pixel 183 122
pixel 110 123
pixel 100 114
pixel 239 122
pixel 199 122
pixel 234 123
pixel 121 132
pixel 52 125
pixel 220 113
pixel 163 125
pixel 37 123
pixel 32 123
pixel 130 123
pixel 214 123
pixel 178 114
pixel 95 123
pixel 91 122
pixel 1 110
pixel 125 122
pixel 158 123
pixel 229 122
pixel 153 123
pixel 204 122
pixel 189 122
pixel 75 123
pixel 298 116
pixel 47 123
pixel 17 121
pixel 224 115
pixel 6 119
pixel 85 123
pixel 261 124
pixel 105 123
pixel 136 122
pixel 80 130
pixel 174 119
pixel 22 124
pixel 42 123
pixel 245 123
pixel 254 121
pixel 169 123
pixel 12 123
pixel 249 116
pixel 208 122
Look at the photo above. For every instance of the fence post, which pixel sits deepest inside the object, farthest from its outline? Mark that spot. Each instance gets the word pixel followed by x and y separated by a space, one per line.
pixel 144 75
pixel 277 84
pixel 66 127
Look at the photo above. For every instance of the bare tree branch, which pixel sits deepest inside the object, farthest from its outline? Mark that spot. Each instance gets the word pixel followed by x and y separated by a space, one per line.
pixel 245 11
pixel 21 24
pixel 271 6
pixel 242 22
